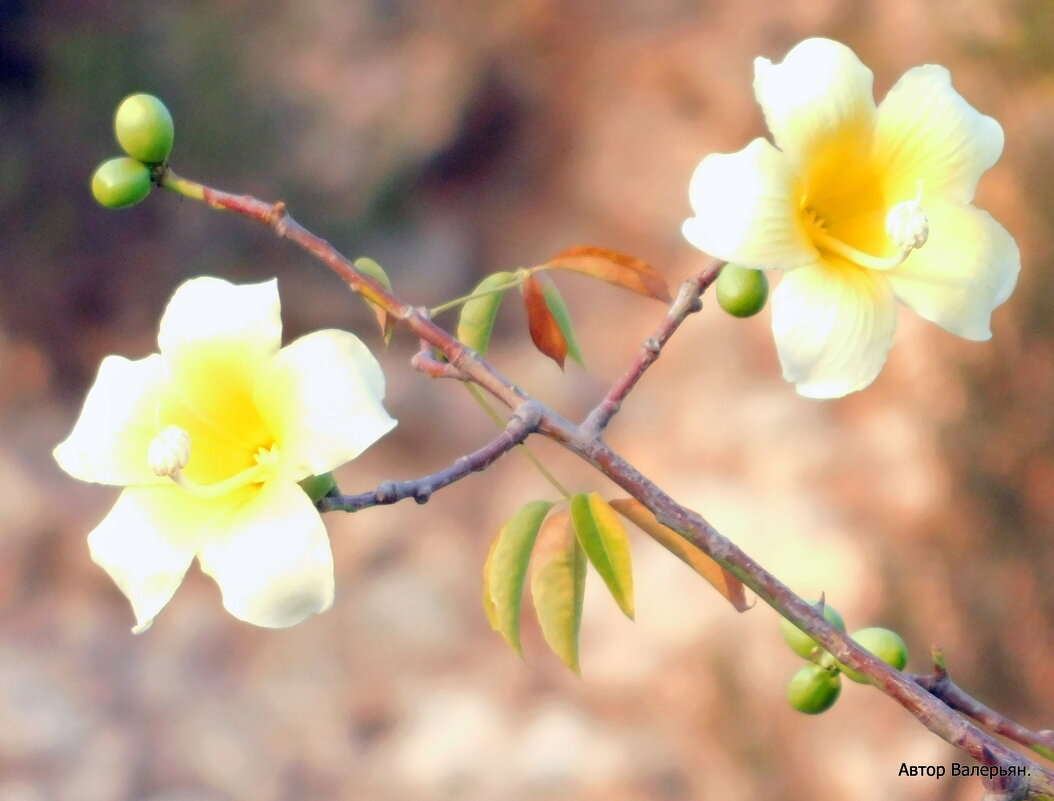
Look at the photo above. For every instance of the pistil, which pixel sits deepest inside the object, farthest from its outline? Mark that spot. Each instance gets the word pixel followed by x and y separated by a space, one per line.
pixel 906 225
pixel 169 453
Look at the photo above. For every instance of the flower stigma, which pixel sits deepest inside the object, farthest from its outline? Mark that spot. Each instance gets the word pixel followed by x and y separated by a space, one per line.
pixel 169 453
pixel 906 224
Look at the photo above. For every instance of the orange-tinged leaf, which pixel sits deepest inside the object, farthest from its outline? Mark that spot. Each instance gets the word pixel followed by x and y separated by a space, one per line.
pixel 374 270
pixel 616 268
pixel 555 301
pixel 506 570
pixel 723 581
pixel 476 321
pixel 604 539
pixel 544 327
pixel 558 583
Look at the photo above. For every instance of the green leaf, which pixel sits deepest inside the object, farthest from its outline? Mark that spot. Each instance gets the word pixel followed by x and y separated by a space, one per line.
pixel 478 315
pixel 375 271
pixel 606 544
pixel 558 583
pixel 555 301
pixel 506 570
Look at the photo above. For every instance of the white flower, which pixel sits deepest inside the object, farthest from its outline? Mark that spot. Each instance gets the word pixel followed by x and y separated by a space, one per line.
pixel 862 207
pixel 209 438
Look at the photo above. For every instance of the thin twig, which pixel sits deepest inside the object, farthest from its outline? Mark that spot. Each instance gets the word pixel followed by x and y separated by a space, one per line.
pixel 941 685
pixel 687 302
pixel 523 422
pixel 427 363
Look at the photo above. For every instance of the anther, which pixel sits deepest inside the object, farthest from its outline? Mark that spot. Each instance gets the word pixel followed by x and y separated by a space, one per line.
pixel 169 451
pixel 907 224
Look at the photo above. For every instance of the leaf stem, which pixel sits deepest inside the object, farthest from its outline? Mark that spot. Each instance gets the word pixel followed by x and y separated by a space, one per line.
pixel 520 277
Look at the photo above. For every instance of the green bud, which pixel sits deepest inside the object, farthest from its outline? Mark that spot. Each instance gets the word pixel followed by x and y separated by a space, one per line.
pixel 800 642
pixel 318 487
pixel 885 644
pixel 120 182
pixel 814 689
pixel 144 128
pixel 741 292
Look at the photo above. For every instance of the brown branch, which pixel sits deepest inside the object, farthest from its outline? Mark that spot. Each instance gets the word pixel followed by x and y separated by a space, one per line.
pixel 940 684
pixel 426 362
pixel 687 302
pixel 587 443
pixel 523 422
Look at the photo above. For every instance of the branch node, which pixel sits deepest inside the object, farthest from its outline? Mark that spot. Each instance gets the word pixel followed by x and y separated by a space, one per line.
pixel 387 492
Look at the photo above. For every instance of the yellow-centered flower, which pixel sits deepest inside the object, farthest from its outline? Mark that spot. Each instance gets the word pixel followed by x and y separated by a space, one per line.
pixel 209 438
pixel 862 207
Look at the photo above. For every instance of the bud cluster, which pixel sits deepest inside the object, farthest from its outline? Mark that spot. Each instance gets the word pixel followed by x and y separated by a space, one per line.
pixel 144 130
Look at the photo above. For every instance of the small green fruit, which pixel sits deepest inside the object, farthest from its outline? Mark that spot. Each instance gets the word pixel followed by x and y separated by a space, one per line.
pixel 120 182
pixel 813 689
pixel 741 292
pixel 885 644
pixel 144 128
pixel 800 642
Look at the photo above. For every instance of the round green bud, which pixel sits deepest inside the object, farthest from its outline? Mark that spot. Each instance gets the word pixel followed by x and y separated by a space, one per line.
pixel 120 182
pixel 144 128
pixel 800 642
pixel 741 292
pixel 814 689
pixel 885 644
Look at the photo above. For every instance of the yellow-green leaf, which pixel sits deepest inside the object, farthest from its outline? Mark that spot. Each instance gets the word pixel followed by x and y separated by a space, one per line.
pixel 488 601
pixel 616 268
pixel 723 581
pixel 606 544
pixel 375 271
pixel 558 583
pixel 478 315
pixel 555 301
pixel 506 569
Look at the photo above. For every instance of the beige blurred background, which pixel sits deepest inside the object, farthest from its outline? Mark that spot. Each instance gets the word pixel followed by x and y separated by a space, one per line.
pixel 446 140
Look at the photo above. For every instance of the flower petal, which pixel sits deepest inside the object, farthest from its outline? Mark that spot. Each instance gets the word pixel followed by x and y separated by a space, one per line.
pixel 271 558
pixel 147 542
pixel 321 397
pixel 109 442
pixel 205 313
pixel 818 103
pixel 967 268
pixel 833 324
pixel 746 210
pixel 214 336
pixel 925 131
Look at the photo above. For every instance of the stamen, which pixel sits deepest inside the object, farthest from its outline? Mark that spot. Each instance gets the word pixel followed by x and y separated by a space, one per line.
pixel 256 474
pixel 169 451
pixel 906 225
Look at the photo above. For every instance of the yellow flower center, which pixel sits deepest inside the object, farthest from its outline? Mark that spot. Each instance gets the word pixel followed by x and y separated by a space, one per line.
pixel 169 453
pixel 905 226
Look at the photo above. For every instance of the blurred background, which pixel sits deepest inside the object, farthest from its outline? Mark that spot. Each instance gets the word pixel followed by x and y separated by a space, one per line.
pixel 446 140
